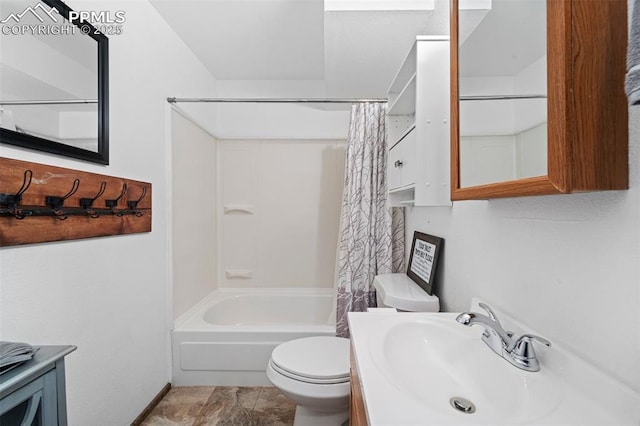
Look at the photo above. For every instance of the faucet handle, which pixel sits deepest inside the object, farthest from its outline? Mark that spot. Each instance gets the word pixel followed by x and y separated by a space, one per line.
pixel 528 338
pixel 486 307
pixel 523 353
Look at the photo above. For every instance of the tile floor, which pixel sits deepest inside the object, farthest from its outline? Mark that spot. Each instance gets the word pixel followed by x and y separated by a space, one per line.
pixel 220 405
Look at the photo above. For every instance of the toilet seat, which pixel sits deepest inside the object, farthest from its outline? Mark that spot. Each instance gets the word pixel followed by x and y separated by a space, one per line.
pixel 311 380
pixel 315 360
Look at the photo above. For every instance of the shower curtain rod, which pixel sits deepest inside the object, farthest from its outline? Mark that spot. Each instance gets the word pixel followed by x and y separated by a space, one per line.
pixel 51 102
pixel 278 100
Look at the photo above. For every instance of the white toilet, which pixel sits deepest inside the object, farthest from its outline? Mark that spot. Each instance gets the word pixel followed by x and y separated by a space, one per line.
pixel 314 371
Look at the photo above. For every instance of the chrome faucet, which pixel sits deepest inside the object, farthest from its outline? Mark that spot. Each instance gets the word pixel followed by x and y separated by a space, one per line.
pixel 518 351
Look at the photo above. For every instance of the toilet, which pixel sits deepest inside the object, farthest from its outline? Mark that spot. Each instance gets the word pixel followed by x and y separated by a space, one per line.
pixel 313 372
pixel 402 293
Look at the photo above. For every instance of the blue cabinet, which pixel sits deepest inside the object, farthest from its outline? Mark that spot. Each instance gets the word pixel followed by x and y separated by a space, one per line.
pixel 33 394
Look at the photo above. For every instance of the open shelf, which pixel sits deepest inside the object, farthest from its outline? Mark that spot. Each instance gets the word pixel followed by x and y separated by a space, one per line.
pixel 402 188
pixel 405 102
pixel 405 72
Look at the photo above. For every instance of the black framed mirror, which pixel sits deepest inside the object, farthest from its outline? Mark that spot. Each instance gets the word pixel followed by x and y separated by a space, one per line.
pixel 54 81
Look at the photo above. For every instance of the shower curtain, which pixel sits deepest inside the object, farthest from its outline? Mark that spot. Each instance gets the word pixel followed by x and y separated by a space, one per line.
pixel 365 245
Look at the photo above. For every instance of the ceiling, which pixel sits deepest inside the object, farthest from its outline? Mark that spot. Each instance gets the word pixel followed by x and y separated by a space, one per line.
pixel 348 53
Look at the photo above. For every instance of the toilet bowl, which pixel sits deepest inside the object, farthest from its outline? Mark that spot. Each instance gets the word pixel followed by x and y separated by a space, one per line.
pixel 313 372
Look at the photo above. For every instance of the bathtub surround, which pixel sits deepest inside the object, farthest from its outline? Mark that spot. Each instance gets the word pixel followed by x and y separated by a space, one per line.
pixel 364 249
pixel 106 293
pixel 278 212
pixel 194 233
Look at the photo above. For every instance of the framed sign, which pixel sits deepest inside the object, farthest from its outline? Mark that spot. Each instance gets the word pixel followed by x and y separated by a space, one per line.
pixel 423 261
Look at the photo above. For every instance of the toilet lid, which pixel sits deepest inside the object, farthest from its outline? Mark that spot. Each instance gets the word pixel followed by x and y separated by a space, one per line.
pixel 321 358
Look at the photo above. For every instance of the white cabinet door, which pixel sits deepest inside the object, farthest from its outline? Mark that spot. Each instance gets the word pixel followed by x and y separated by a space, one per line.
pixel 409 159
pixel 394 173
pixel 402 162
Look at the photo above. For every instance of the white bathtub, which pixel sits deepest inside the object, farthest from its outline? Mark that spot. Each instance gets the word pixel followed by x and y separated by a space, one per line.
pixel 227 338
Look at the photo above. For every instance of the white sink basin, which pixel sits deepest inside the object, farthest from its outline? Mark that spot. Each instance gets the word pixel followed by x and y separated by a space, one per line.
pixel 436 359
pixel 411 365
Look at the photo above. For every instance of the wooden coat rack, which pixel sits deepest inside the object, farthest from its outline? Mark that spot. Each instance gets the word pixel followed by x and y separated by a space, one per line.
pixel 41 203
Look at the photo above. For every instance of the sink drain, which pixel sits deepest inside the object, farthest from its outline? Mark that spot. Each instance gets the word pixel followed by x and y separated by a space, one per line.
pixel 462 404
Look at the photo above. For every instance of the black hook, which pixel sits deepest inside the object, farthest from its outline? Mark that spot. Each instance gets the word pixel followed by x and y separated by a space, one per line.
pixel 87 203
pixel 56 202
pixel 12 201
pixel 112 204
pixel 133 204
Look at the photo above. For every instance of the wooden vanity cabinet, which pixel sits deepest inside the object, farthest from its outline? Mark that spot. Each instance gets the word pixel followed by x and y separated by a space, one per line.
pixel 357 412
pixel 587 111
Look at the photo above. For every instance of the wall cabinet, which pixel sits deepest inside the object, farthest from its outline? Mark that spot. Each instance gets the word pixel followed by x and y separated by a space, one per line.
pixel 576 105
pixel 34 392
pixel 418 126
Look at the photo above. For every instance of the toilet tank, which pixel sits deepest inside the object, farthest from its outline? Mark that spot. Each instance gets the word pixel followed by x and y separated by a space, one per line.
pixel 401 292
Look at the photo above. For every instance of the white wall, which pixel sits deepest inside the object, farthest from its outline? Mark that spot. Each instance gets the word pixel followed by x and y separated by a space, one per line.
pixel 278 121
pixel 294 188
pixel 110 296
pixel 193 215
pixel 566 265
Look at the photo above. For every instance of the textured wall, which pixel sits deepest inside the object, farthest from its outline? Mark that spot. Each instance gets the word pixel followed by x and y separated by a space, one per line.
pixel 566 265
pixel 110 296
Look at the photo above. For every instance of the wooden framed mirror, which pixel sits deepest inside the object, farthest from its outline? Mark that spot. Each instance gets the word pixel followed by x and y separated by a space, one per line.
pixel 537 97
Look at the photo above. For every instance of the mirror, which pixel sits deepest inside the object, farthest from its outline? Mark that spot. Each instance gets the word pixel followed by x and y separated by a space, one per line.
pixel 502 91
pixel 53 81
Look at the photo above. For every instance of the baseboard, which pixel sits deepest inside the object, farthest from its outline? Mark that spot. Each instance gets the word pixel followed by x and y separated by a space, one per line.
pixel 149 408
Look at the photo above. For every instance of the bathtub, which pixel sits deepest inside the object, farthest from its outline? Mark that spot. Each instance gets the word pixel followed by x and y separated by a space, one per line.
pixel 227 338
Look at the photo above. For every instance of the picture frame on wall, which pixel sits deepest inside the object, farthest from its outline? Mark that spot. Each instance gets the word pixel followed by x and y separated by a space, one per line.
pixel 423 259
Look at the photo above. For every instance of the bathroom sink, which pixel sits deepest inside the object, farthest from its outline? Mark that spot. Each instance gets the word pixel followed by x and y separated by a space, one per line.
pixel 426 368
pixel 436 361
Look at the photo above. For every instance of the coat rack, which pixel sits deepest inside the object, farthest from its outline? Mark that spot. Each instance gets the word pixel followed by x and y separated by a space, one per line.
pixel 41 203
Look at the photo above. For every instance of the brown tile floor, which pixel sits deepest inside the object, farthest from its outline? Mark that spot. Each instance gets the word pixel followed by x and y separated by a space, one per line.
pixel 220 405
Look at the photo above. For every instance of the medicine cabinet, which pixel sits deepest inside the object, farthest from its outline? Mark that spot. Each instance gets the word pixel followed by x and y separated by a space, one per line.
pixel 537 97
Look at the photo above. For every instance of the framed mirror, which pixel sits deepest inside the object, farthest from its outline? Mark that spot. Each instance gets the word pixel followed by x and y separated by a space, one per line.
pixel 53 81
pixel 537 97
